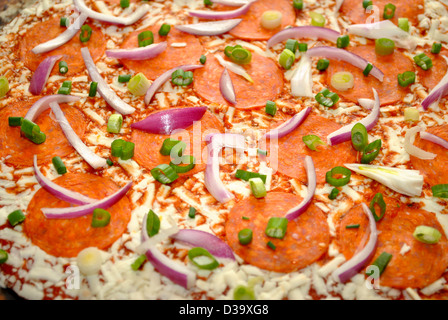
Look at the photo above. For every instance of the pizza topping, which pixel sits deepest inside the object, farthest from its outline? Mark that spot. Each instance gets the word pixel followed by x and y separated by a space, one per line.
pixel 406 78
pixel 378 200
pixel 436 48
pixel 412 149
pixel 423 61
pixel 302 80
pixel 240 55
pixel 59 165
pixel 226 87
pixel 89 261
pixel 257 187
pixel 213 28
pixel 440 190
pixel 286 59
pixel 3 256
pixel 138 85
pixel 100 218
pixel 66 88
pixel 338 176
pixel 40 76
pixel 221 14
pixel 384 46
pixel 4 86
pixel 317 19
pixel 310 32
pixel 434 139
pixel 289 125
pixel 85 34
pixel 297 4
pixel 427 234
pixel 245 236
pixel 233 67
pixel 202 259
pixel 63 67
pixel 360 138
pixel 141 53
pixel 371 151
pixel 114 123
pixel 327 98
pixel 439 91
pixel 342 81
pixel 389 11
pixel 32 132
pixel 271 108
pixel 343 41
pixel 16 217
pixel 271 19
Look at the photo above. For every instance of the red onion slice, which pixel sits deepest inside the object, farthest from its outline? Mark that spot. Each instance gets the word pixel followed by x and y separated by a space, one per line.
pixel 344 55
pixel 44 103
pixel 75 212
pixel 226 87
pixel 58 191
pixel 310 32
pixel 167 121
pixel 208 241
pixel 131 19
pixel 350 268
pixel 312 183
pixel 231 3
pixel 289 126
pixel 103 89
pixel 142 53
pixel 413 150
pixel 213 28
pixel 205 14
pixel 40 76
pixel 345 133
pixel 164 78
pixel 439 91
pixel 63 38
pixel 84 151
pixel 302 80
pixel 434 139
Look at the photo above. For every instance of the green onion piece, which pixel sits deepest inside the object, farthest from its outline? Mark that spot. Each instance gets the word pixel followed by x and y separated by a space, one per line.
pixel 164 29
pixel 63 67
pixel 202 259
pixel 333 194
pixel 67 84
pixel 323 64
pixel 245 236
pixel 241 56
pixel 271 245
pixel 100 218
pixel 297 4
pixel 4 86
pixel 352 226
pixel 381 262
pixel 360 138
pixel 258 188
pixel 145 38
pixel 168 145
pixel 406 78
pixel 242 292
pixel 203 59
pixel 124 3
pixel 262 152
pixel 190 162
pixel 271 108
pixel 371 152
pixel 152 223
pixel 109 162
pixel 332 176
pixel 32 132
pixel 384 46
pixel 389 11
pixel 423 61
pixel 208 2
pixel 182 78
pixel 114 123
pixel 411 114
pixel 343 41
pixel 247 175
pixel 122 149
pixel 16 217
pixel 86 33
pixel 367 3
pixel 138 85
pixel 303 47
pixel 436 48
pixel 367 70
pixel 15 121
pixel 292 45
pixel 228 51
pixel 164 173
pixel 137 264
pixel 327 98
pixel 192 212
pixel 312 141
pixel 64 22
pixel 124 78
pixel 403 24
pixel 379 200
pixel 440 191
pixel 286 59
pixel 317 19
pixel 276 227
pixel 66 88
pixel 59 165
pixel 92 89
pixel 245 218
pixel 427 234
pixel 3 256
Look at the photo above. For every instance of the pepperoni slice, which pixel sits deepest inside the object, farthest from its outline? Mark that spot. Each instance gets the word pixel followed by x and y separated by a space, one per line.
pixel 434 170
pixel 430 78
pixel 67 237
pixel 19 151
pixel 389 90
pixel 287 156
pixel 250 28
pixel 47 30
pixel 147 145
pixel 182 49
pixel 306 240
pixel 267 82
pixel 420 266
pixel 355 12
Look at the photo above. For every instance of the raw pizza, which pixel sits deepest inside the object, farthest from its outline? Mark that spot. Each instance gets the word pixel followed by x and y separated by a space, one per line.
pixel 231 149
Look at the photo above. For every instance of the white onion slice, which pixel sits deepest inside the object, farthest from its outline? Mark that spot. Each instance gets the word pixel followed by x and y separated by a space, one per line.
pixel 312 183
pixel 131 19
pixel 58 191
pixel 366 103
pixel 210 14
pixel 44 103
pixel 413 150
pixel 226 87
pixel 345 133
pixel 103 89
pixel 434 139
pixel 231 3
pixel 142 53
pixel 213 28
pixel 338 5
pixel 438 92
pixel 84 151
pixel 239 70
pixel 288 126
pixel 40 76
pixel 350 268
pixel 63 38
pixel 302 80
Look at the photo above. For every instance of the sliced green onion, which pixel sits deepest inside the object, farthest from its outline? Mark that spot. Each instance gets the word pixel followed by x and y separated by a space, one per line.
pixel 64 22
pixel 276 227
pixel 152 223
pixel 59 165
pixel 333 194
pixel 164 173
pixel 124 78
pixel 63 67
pixel 406 78
pixel 192 212
pixel 137 264
pixel 332 176
pixel 367 3
pixel 138 85
pixel 271 245
pixel 360 138
pixel 190 162
pixel 378 200
pixel 228 51
pixel 312 141
pixel 271 108
pixel 303 47
pixel 247 175
pixel 164 29
pixel 16 217
pixel 271 19
pixel 15 121
pixel 440 191
pixel 343 41
pixel 4 86
pixel 93 89
pixel 66 88
pixel 427 234
pixel 245 218
pixel 297 4
pixel 202 259
pixel 168 145
pixel 203 59
pixel 286 59
pixel 3 256
pixel 389 11
pixel 352 226
pixel 125 3
pixel 317 19
pixel 384 46
pixel 262 152
pixel 411 114
pixel 327 98
pixel 371 152
pixel 208 2
pixel 292 45
pixel 145 38
pixel 109 162
pixel 32 132
pixel 241 56
pixel 367 70
pixel 100 218
pixel 182 78
pixel 258 188
pixel 245 236
pixel 403 24
pixel 436 48
pixel 381 262
pixel 323 64
pixel 86 33
pixel 423 61
pixel 342 81
pixel 122 149
pixel 114 123
pixel 243 293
